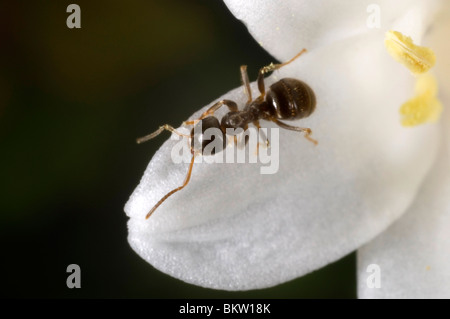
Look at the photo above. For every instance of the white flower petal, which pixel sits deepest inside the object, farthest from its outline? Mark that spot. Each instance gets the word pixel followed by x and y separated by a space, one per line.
pixel 414 253
pixel 232 228
pixel 438 41
pixel 282 27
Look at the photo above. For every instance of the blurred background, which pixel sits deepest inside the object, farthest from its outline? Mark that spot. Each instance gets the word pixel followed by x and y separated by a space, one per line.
pixel 72 102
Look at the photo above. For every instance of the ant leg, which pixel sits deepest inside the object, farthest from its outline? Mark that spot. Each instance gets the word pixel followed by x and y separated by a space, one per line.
pixel 243 140
pixel 307 131
pixel 269 68
pixel 186 181
pixel 256 123
pixel 157 132
pixel 232 106
pixel 246 83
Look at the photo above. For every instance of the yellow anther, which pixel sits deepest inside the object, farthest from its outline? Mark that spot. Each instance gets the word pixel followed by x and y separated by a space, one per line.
pixel 424 106
pixel 416 58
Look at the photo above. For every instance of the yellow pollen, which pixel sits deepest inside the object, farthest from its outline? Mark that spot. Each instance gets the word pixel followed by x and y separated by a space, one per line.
pixel 416 58
pixel 424 106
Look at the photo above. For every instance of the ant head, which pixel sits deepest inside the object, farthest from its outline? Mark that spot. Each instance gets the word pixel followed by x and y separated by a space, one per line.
pixel 207 137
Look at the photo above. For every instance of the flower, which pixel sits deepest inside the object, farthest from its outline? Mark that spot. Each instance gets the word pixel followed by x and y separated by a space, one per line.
pixel 232 228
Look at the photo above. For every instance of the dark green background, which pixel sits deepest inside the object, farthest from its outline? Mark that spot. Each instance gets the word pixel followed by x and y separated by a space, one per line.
pixel 72 102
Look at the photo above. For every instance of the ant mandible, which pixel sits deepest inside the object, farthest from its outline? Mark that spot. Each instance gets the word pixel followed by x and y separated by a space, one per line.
pixel 286 99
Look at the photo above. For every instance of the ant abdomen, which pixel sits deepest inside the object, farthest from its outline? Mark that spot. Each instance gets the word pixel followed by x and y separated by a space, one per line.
pixel 290 99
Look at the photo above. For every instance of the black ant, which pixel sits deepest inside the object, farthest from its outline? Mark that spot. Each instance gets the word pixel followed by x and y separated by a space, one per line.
pixel 286 99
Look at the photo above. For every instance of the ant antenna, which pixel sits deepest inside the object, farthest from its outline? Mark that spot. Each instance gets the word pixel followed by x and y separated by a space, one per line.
pixel 157 132
pixel 186 181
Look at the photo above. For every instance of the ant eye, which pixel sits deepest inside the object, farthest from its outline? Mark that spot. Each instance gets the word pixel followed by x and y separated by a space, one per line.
pixel 207 137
